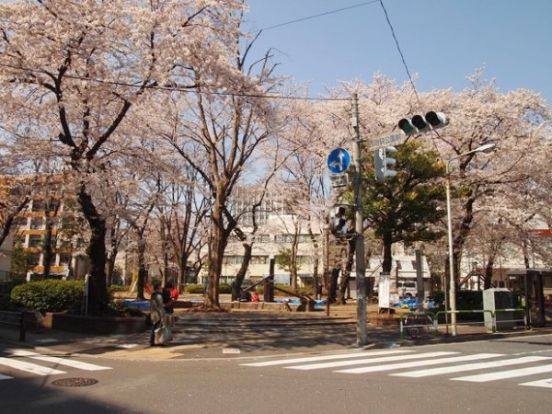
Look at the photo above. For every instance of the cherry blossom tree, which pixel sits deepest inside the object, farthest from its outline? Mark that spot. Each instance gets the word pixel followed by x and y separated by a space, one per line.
pixel 70 81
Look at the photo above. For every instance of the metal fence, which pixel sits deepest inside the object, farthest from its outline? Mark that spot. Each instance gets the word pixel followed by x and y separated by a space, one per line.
pixel 412 323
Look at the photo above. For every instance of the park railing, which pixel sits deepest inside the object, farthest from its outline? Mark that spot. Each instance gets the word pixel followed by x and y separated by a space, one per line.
pixel 413 323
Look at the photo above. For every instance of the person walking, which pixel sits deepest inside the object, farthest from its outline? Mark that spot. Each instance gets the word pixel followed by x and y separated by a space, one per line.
pixel 157 313
pixel 168 302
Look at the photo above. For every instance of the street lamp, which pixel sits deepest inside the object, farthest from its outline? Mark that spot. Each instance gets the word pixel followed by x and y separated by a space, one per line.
pixel 452 284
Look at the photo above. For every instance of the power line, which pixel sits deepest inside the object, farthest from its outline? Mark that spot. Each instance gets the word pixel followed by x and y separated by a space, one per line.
pixel 314 16
pixel 182 89
pixel 400 51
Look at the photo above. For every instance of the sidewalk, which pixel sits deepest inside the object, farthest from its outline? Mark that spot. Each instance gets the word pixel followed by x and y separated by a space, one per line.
pixel 242 334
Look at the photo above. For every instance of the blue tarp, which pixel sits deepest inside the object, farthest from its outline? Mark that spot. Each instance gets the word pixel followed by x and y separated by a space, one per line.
pixel 137 304
pixel 412 303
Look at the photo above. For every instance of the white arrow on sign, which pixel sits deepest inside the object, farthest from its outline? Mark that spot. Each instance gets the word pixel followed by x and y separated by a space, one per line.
pixel 385 141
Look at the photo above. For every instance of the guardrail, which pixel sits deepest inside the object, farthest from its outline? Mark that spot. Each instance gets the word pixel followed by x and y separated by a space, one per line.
pixel 510 310
pixel 412 329
pixel 412 322
pixel 493 317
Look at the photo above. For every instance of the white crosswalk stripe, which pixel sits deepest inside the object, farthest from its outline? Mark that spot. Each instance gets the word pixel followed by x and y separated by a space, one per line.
pixel 469 367
pixel 58 361
pixel 369 361
pixel 545 383
pixel 29 367
pixel 513 373
pixel 324 358
pixel 17 362
pixel 402 365
pixel 404 360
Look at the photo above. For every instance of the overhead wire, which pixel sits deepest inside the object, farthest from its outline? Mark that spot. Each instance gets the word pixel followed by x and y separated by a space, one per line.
pixel 182 89
pixel 397 44
pixel 264 96
pixel 315 16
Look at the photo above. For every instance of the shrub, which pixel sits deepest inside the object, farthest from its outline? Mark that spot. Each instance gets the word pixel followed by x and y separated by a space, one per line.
pixel 225 288
pixel 48 295
pixel 194 288
pixel 118 288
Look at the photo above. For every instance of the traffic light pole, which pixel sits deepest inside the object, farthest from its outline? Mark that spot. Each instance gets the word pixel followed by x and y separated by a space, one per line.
pixel 359 234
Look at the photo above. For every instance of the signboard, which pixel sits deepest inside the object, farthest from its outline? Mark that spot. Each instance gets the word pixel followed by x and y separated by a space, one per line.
pixel 385 141
pixel 339 160
pixel 384 292
pixel 339 180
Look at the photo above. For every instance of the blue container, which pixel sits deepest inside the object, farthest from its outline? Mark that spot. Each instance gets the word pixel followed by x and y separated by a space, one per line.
pixel 137 304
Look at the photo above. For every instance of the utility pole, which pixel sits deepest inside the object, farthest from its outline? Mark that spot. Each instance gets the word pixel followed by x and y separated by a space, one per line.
pixel 359 234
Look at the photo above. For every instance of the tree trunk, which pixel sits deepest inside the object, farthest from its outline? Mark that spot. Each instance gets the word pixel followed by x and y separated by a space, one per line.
pixel 142 272
pixel 293 259
pixel 182 266
pixel 240 276
pixel 216 252
pixel 346 273
pixel 316 248
pixel 97 299
pixel 48 248
pixel 387 256
pixel 114 249
pixel 110 267
pixel 489 273
pixel 332 292
pixel 4 233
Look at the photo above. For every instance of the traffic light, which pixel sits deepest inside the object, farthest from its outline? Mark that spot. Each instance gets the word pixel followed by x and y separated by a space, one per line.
pixel 338 221
pixel 419 123
pixel 382 162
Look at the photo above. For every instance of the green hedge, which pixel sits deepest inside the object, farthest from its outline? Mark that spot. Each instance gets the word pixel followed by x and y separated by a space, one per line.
pixel 198 288
pixel 48 295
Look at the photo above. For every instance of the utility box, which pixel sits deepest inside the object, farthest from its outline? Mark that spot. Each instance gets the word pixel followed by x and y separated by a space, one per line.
pixel 498 298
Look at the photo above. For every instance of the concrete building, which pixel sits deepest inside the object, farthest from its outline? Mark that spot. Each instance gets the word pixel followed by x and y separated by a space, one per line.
pixel 48 218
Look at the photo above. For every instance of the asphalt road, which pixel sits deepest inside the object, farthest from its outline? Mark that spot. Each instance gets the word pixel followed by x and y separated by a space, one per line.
pixel 476 377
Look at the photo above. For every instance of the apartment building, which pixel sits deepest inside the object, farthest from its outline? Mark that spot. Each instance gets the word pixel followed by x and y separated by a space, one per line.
pixel 48 219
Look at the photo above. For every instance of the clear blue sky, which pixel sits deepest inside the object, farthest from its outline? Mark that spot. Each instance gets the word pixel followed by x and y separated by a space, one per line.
pixel 443 41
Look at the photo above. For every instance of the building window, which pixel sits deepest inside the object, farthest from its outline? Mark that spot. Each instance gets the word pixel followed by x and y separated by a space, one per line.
pixel 20 221
pixel 38 205
pixel 35 240
pixel 37 223
pixel 259 259
pixel 263 238
pixel 304 238
pixel 33 259
pixel 233 260
pixel 283 238
pixel 64 259
pixel 53 205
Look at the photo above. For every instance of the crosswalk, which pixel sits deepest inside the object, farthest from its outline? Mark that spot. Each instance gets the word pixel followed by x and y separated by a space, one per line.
pixel 29 362
pixel 408 363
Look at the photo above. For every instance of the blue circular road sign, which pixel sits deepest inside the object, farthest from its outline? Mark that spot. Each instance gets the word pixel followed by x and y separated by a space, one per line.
pixel 339 160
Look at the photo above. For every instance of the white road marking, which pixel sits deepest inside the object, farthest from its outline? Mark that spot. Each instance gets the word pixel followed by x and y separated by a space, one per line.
pixel 46 340
pixel 379 368
pixel 323 358
pixel 513 373
pixel 368 361
pixel 59 361
pixel 5 377
pixel 469 367
pixel 28 367
pixel 545 383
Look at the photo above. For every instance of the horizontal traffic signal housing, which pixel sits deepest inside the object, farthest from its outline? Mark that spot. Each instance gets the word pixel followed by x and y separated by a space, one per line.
pixel 419 123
